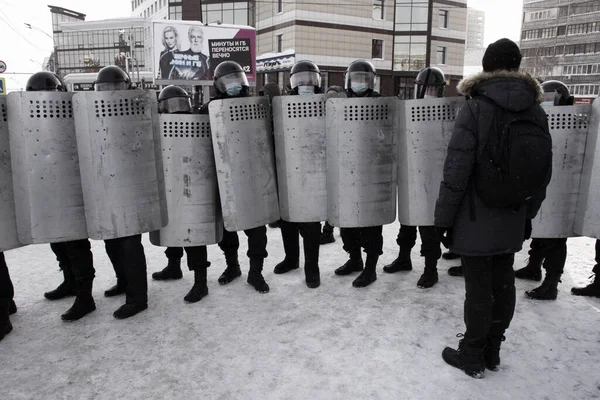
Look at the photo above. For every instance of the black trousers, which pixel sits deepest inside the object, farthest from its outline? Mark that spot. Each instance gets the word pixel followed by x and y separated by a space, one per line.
pixel 129 261
pixel 552 251
pixel 76 258
pixel 430 243
pixel 7 291
pixel 311 235
pixel 370 239
pixel 196 256
pixel 257 243
pixel 327 228
pixel 490 295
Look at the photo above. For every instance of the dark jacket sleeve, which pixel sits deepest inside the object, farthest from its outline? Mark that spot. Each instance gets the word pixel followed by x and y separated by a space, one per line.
pixel 535 203
pixel 458 166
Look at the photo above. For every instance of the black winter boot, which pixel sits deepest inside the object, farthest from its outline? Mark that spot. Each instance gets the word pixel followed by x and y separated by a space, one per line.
pixel 491 354
pixel 468 357
pixel 369 274
pixel 232 271
pixel 171 272
pixel 200 288
pixel 430 275
pixel 455 271
pixel 286 265
pixel 116 290
pixel 12 308
pixel 548 290
pixel 354 264
pixel 5 325
pixel 532 271
pixel 591 290
pixel 66 288
pixel 402 263
pixel 450 256
pixel 84 302
pixel 128 310
pixel 255 277
pixel 312 276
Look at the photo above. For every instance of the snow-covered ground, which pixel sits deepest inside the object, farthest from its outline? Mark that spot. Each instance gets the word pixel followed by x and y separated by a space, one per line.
pixel 335 342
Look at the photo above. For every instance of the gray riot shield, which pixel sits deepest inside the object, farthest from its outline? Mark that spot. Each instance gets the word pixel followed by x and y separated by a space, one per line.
pixel 361 161
pixel 8 225
pixel 569 129
pixel 46 180
pixel 118 139
pixel 587 218
pixel 244 156
pixel 190 181
pixel 425 128
pixel 299 123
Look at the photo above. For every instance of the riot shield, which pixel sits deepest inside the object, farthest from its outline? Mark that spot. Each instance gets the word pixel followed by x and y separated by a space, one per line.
pixel 361 161
pixel 118 139
pixel 569 130
pixel 587 218
pixel 244 156
pixel 8 226
pixel 190 181
pixel 425 128
pixel 46 180
pixel 299 127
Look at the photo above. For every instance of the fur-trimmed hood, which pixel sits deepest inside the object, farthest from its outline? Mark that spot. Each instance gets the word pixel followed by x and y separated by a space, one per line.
pixel 509 89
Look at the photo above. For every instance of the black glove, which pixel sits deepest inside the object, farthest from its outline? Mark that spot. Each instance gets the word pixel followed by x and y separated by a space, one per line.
pixel 528 229
pixel 444 235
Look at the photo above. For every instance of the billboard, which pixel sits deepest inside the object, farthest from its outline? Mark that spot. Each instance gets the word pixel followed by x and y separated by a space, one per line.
pixel 190 51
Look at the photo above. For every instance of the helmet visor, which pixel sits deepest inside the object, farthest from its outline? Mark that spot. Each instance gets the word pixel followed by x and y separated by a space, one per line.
pixel 111 86
pixel 175 105
pixel 305 78
pixel 360 78
pixel 226 81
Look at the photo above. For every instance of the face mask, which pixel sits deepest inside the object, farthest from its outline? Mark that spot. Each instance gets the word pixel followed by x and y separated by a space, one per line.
pixel 303 90
pixel 359 88
pixel 234 90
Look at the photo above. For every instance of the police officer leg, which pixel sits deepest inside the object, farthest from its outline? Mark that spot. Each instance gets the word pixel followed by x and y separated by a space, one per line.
pixel 173 269
pixel 131 252
pixel 327 235
pixel 351 241
pixel 310 232
pixel 371 240
pixel 67 287
pixel 112 247
pixel 197 259
pixel 257 252
pixel 230 245
pixel 431 250
pixel 593 289
pixel 291 247
pixel 533 270
pixel 555 256
pixel 407 237
pixel 7 292
pixel 82 264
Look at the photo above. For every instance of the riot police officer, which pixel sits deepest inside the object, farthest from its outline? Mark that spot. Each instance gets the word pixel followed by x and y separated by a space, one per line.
pixel 74 257
pixel 230 81
pixel 360 82
pixel 305 79
pixel 552 253
pixel 175 100
pixel 430 83
pixel 126 253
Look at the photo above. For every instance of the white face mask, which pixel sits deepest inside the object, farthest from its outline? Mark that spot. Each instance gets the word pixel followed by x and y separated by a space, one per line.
pixel 304 90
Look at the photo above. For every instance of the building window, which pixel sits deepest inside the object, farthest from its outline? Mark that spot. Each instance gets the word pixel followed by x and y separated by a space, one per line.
pixel 410 53
pixel 377 49
pixel 378 9
pixel 441 55
pixel 279 42
pixel 562 30
pixel 443 19
pixel 279 6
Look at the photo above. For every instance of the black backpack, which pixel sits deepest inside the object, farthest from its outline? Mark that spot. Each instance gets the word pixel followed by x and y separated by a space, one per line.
pixel 516 161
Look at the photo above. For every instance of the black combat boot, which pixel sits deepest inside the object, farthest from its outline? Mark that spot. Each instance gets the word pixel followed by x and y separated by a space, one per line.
pixel 116 290
pixel 171 272
pixel 430 275
pixel 287 265
pixel 369 274
pixel 66 288
pixel 455 271
pixel 548 290
pixel 200 288
pixel 5 325
pixel 128 310
pixel 593 289
pixel 450 256
pixel 491 353
pixel 402 263
pixel 532 271
pixel 12 308
pixel 232 271
pixel 468 357
pixel 84 302
pixel 354 264
pixel 255 277
pixel 311 262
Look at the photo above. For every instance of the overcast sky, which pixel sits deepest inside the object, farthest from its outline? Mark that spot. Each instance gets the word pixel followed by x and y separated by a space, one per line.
pixel 503 19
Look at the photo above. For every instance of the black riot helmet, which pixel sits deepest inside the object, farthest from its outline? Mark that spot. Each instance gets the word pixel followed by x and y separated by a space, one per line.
pixel 360 78
pixel 305 78
pixel 45 81
pixel 112 78
pixel 556 93
pixel 430 82
pixel 174 100
pixel 230 80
